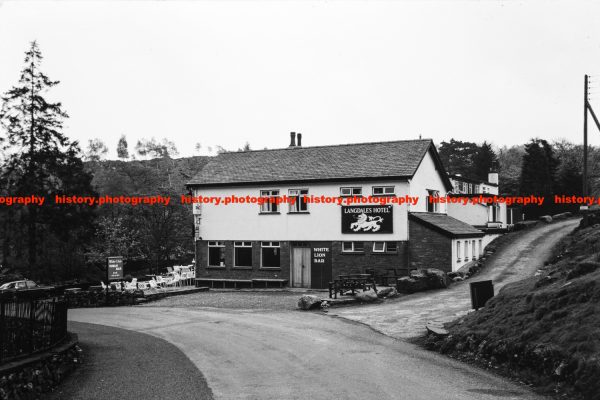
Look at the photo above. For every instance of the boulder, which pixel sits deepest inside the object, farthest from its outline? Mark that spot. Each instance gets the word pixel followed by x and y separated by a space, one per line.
pixel 387 292
pixel 309 301
pixel 367 296
pixel 546 218
pixel 436 278
pixel 409 285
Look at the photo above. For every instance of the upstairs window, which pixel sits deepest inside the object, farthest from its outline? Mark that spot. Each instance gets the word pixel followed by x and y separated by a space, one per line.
pixel 353 247
pixel 350 191
pixel 269 206
pixel 384 190
pixel 216 254
pixel 299 204
pixel 432 206
pixel 270 255
pixel 242 254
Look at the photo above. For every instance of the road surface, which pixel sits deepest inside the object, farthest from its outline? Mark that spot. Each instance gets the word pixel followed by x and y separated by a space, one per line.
pixel 407 316
pixel 302 355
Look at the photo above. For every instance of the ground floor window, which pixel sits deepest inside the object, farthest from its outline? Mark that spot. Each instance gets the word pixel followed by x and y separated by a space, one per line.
pixel 458 250
pixel 385 247
pixel 353 247
pixel 474 256
pixel 480 248
pixel 216 254
pixel 242 254
pixel 466 250
pixel 270 255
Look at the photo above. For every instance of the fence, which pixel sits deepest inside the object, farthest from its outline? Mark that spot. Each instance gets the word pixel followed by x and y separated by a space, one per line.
pixel 30 322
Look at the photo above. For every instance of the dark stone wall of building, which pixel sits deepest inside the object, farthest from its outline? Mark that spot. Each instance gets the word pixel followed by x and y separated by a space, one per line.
pixel 231 272
pixel 429 248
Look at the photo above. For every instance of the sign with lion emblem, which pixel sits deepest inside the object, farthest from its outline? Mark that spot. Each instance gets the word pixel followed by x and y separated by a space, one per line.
pixel 367 219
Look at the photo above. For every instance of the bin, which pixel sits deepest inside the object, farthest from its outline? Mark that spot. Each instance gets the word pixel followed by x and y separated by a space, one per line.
pixel 481 292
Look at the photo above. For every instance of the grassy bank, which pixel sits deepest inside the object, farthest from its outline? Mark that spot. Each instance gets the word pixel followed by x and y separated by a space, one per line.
pixel 544 330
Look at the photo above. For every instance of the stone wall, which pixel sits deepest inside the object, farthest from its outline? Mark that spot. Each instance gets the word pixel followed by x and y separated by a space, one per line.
pixel 429 248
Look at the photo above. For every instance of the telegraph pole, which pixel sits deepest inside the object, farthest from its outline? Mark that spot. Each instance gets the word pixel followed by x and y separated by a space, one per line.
pixel 585 137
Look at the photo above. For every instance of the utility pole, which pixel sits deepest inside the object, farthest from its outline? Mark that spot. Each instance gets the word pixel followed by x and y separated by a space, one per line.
pixel 585 138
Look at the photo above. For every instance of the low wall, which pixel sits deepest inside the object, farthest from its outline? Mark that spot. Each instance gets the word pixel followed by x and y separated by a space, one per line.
pixel 31 377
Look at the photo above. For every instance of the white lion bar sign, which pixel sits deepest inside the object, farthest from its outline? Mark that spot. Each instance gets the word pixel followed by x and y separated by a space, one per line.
pixel 367 219
pixel 114 268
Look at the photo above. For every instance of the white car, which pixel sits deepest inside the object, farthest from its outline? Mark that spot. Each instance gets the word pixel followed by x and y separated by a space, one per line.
pixel 19 285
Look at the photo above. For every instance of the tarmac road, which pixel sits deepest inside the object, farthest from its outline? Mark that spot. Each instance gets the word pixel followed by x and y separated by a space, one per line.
pixel 299 355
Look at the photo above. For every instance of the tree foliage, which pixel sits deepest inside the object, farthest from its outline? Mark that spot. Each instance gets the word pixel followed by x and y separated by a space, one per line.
pixel 38 159
pixel 122 148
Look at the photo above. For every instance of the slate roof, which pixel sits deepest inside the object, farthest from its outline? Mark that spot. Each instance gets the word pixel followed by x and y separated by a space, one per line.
pixel 445 224
pixel 377 160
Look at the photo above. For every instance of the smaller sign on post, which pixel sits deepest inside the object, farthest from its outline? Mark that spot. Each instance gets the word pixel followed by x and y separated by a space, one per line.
pixel 114 268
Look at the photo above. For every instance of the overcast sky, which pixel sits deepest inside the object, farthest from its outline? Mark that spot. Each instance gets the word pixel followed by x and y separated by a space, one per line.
pixel 226 73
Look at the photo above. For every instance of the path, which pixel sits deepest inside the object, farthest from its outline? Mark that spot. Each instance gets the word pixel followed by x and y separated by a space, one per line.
pixel 406 317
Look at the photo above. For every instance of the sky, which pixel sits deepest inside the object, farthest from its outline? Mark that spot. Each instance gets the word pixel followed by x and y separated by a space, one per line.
pixel 226 73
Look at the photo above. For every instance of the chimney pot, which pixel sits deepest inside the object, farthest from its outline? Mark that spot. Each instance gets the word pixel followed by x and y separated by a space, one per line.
pixel 292 139
pixel 299 140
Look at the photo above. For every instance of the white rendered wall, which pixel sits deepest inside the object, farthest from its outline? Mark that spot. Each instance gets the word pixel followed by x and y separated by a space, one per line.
pixel 426 178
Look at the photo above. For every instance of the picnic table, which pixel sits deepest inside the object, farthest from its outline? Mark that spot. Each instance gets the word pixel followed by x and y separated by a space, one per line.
pixel 351 283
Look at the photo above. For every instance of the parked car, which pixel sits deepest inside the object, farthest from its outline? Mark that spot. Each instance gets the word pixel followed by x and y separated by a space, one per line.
pixel 19 285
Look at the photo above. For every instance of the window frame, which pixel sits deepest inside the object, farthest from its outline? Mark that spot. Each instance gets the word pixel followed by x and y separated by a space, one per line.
pixel 244 245
pixel 270 245
pixel 352 191
pixel 215 244
pixel 353 247
pixel 383 191
pixel 269 207
pixel 436 206
pixel 458 248
pixel 383 246
pixel 295 208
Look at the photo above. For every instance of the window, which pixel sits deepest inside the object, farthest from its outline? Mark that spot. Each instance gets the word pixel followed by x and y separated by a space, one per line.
pixel 242 254
pixel 299 204
pixel 391 247
pixel 432 206
pixel 378 247
pixel 384 190
pixel 216 254
pixel 350 191
pixel 269 206
pixel 385 247
pixel 480 248
pixel 474 254
pixel 458 250
pixel 466 250
pixel 353 247
pixel 270 252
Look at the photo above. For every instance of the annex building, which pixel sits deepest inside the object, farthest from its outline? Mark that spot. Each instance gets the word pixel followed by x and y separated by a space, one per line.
pixel 308 243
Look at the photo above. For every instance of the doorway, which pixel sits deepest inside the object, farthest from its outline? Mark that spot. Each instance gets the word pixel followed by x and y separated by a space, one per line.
pixel 300 265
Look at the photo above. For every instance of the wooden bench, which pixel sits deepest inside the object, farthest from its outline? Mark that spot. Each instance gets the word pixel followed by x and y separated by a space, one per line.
pixel 266 281
pixel 222 281
pixel 352 283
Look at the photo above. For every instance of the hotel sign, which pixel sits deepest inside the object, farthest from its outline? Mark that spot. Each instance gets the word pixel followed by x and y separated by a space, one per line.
pixel 367 219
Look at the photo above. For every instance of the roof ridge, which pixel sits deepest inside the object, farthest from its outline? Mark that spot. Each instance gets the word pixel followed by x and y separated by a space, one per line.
pixel 327 145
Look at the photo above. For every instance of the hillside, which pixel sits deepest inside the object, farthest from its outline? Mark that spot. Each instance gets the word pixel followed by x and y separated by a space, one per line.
pixel 544 330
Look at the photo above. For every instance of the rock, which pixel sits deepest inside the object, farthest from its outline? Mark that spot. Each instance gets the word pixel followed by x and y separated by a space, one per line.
pixel 411 285
pixel 436 278
pixel 437 329
pixel 546 218
pixel 417 274
pixel 458 279
pixel 367 296
pixel 387 292
pixel 309 301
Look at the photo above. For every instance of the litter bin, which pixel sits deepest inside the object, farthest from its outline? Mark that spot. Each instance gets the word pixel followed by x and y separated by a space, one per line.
pixel 481 292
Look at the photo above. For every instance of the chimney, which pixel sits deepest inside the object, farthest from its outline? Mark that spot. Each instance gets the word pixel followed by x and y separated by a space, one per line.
pixel 299 140
pixel 292 139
